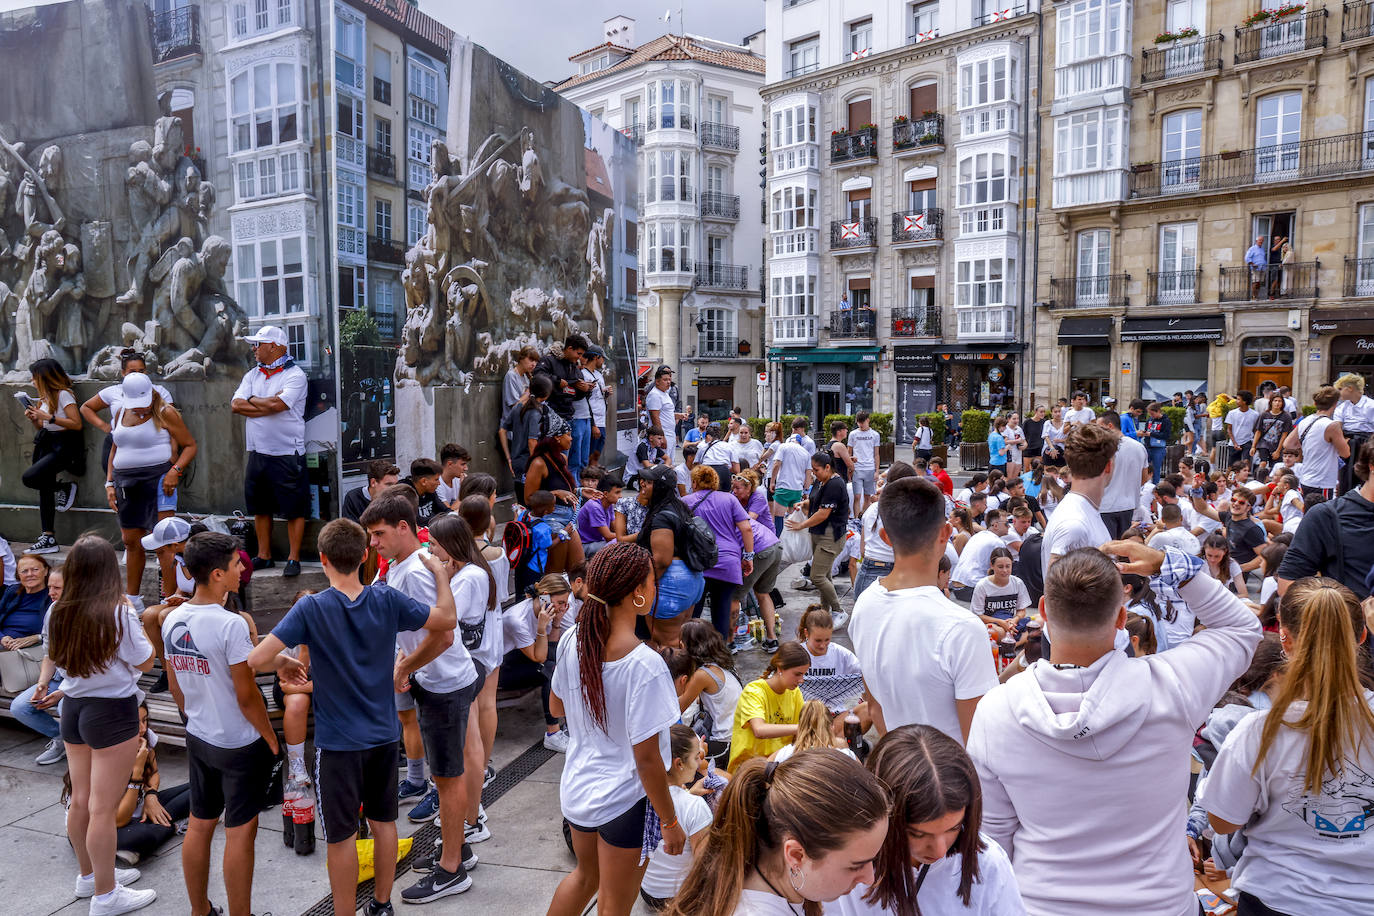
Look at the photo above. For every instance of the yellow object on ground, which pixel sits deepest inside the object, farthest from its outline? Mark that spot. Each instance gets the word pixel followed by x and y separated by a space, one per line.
pixel 367 857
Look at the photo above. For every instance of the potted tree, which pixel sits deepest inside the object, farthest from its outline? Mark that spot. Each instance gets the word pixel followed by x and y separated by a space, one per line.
pixel 973 448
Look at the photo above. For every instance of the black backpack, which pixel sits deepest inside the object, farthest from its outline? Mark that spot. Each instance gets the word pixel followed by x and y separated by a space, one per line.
pixel 1028 567
pixel 697 544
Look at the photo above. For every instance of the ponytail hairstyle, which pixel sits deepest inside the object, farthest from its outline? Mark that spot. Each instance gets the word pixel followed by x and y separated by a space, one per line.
pixel 999 553
pixel 681 740
pixel 703 642
pixel 1142 628
pixel 819 799
pixel 612 576
pixel 929 775
pixel 791 654
pixel 1143 594
pixel 813 727
pixel 450 532
pixel 1037 471
pixel 815 617
pixel 1218 541
pixel 1322 617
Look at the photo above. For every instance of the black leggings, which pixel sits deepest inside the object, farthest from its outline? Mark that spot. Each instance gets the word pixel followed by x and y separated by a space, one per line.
pixel 144 837
pixel 1250 905
pixel 721 594
pixel 48 461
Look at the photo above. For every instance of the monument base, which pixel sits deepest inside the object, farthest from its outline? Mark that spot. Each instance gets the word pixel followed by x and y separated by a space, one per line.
pixel 428 418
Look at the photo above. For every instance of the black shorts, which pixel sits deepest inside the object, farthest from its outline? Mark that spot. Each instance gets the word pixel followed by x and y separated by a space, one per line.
pixel 276 485
pixel 625 831
pixel 99 722
pixel 136 491
pixel 232 781
pixel 443 727
pixel 348 780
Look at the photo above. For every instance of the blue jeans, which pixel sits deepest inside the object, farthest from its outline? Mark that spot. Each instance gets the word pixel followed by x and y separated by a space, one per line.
pixel 581 450
pixel 37 719
pixel 1156 461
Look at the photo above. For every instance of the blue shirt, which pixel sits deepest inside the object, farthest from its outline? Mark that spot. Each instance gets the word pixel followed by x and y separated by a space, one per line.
pixel 1128 425
pixel 352 661
pixel 21 614
pixel 997 448
pixel 1255 256
pixel 694 435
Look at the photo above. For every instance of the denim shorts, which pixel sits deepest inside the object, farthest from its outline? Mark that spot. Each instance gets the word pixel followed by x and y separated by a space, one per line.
pixel 561 516
pixel 679 590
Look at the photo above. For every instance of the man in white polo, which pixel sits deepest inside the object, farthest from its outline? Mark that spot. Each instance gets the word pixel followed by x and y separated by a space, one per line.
pixel 272 397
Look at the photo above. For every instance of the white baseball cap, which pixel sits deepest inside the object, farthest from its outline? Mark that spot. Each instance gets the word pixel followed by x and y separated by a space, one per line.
pixel 168 531
pixel 268 334
pixel 137 390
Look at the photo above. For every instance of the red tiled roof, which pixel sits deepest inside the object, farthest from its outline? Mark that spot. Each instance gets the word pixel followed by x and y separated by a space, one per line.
pixel 597 177
pixel 674 47
pixel 604 45
pixel 413 25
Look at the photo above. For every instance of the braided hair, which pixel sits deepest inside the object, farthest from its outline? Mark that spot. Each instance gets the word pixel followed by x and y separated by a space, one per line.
pixel 614 573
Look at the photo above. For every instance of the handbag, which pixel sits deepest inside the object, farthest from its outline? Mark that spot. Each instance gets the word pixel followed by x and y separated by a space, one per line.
pixel 19 668
pixel 472 633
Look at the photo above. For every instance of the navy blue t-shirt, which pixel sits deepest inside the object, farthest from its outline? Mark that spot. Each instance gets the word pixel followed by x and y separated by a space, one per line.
pixel 21 613
pixel 352 661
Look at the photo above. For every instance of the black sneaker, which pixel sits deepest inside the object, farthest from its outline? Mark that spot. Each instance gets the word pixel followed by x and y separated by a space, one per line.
pixel 489 776
pixel 377 908
pixel 260 563
pixel 438 883
pixel 46 543
pixel 66 497
pixel 770 645
pixel 293 569
pixel 431 862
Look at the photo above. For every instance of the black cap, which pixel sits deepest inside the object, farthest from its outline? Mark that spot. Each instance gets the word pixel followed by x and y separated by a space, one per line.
pixel 662 371
pixel 658 472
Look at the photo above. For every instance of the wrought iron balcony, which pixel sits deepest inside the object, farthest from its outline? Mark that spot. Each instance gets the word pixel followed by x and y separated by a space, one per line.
pixel 850 145
pixel 925 132
pixel 804 69
pixel 916 321
pixel 1182 57
pixel 855 233
pixel 1276 37
pixel 1089 292
pixel 1359 277
pixel 715 205
pixel 1274 281
pixel 1326 157
pixel 918 226
pixel 722 276
pixel 1174 287
pixel 381 162
pixel 1357 20
pixel 386 323
pixel 716 135
pixel 176 34
pixel 994 16
pixel 635 132
pixel 714 346
pixel 385 249
pixel 851 323
pixel 381 90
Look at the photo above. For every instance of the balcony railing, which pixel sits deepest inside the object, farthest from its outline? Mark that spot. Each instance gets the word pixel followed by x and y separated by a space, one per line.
pixel 1357 20
pixel 669 263
pixel 849 145
pixel 1185 57
pixel 916 321
pixel 929 34
pixel 176 33
pixel 635 132
pixel 927 131
pixel 855 233
pixel 713 346
pixel 1174 287
pixel 1359 277
pixel 385 249
pixel 850 323
pixel 1275 281
pixel 1273 38
pixel 386 323
pixel 381 162
pixel 1001 15
pixel 719 136
pixel 722 276
pixel 1088 292
pixel 381 90
pixel 918 226
pixel 804 69
pixel 715 205
pixel 1326 157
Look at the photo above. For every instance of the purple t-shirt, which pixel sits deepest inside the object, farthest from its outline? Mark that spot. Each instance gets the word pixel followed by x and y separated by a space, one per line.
pixel 764 535
pixel 723 513
pixel 758 504
pixel 590 516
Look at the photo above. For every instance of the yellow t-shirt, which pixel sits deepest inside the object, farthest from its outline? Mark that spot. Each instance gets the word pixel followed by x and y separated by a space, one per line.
pixel 759 701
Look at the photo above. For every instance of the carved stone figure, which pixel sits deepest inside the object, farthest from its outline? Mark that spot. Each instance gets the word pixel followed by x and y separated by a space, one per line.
pixel 599 268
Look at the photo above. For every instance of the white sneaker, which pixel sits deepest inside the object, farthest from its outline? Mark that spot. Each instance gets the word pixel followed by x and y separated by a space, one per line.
pixel 476 833
pixel 122 900
pixel 52 753
pixel 298 772
pixel 85 886
pixel 556 741
pixel 841 619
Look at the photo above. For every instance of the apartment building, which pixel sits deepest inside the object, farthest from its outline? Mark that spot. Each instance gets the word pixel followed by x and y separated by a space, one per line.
pixel 900 177
pixel 692 106
pixel 1213 192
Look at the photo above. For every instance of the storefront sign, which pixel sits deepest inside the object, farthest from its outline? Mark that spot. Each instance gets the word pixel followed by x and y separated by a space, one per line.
pixel 1092 332
pixel 913 361
pixel 994 374
pixel 1174 330
pixel 1340 321
pixel 1345 346
pixel 975 357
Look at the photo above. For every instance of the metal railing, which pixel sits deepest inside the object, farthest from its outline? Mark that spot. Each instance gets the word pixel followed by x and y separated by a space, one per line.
pixel 719 136
pixel 918 225
pixel 175 33
pixel 1174 287
pixel 716 205
pixel 1106 290
pixel 386 249
pixel 804 69
pixel 928 130
pixel 1002 15
pixel 855 233
pixel 1274 281
pixel 916 38
pixel 1326 157
pixel 386 323
pixel 916 321
pixel 713 346
pixel 853 322
pixel 681 120
pixel 1183 57
pixel 381 162
pixel 1273 38
pixel 722 276
pixel 381 90
pixel 1357 20
pixel 854 144
pixel 1359 277
pixel 635 132
pixel 669 263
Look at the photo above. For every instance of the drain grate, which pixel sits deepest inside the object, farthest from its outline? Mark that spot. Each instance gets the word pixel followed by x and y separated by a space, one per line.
pixel 507 778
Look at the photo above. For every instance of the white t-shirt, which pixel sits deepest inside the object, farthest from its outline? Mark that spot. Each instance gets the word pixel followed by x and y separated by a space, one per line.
pixel 762 903
pixel 787 750
pixel 717 454
pixel 453 669
pixel 920 652
pixel 995 893
pixel 1308 854
pixel 1242 423
pixel 1290 509
pixel 11 575
pixel 1193 519
pixel 470 590
pixel 1179 537
pixel 863 444
pixel 1075 523
pixel 836 662
pixel 1085 415
pixel 748 453
pixel 281 433
pixel 448 493
pixel 875 548
pixel 663 403
pixel 64 397
pixel 664 874
pixel 793 463
pixel 1000 601
pixel 1123 489
pixel 120 677
pixel 600 781
pixel 974 558
pixel 596 398
pixel 517 626
pixel 1320 465
pixel 684 475
pixel 202 642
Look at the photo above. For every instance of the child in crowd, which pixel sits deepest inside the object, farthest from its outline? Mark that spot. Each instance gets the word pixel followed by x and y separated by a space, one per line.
pixel 453 467
pixel 538 556
pixel 664 874
pixel 1000 599
pixel 714 685
pixel 768 710
pixel 815 729
pixel 294 702
pixel 828 659
pixel 424 479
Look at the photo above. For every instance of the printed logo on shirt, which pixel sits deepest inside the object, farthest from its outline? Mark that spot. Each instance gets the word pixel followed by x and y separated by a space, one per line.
pixel 182 654
pixel 1003 607
pixel 813 671
pixel 1343 809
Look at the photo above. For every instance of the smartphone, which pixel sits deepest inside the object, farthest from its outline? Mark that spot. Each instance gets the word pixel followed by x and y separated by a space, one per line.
pixel 24 400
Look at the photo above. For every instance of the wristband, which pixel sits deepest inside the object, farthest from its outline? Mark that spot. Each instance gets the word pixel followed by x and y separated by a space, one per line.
pixel 748 555
pixel 148 792
pixel 671 825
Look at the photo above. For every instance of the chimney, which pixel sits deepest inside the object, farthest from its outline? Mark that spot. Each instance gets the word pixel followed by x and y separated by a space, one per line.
pixel 620 30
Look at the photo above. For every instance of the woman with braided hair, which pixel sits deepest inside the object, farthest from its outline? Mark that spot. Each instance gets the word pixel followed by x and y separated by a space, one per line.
pixel 620 705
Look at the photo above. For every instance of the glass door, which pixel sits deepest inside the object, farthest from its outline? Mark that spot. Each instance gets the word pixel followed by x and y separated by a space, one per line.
pixel 1177 280
pixel 1278 130
pixel 1094 264
pixel 1182 150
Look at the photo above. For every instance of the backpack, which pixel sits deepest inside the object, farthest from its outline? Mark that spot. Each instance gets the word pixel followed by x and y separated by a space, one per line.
pixel 697 544
pixel 516 540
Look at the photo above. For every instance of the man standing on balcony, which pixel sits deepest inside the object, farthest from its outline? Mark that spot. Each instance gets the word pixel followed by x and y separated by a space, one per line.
pixel 846 314
pixel 1257 259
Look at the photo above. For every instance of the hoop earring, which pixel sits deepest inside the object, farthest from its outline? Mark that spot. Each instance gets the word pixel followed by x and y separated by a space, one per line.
pixel 640 601
pixel 792 879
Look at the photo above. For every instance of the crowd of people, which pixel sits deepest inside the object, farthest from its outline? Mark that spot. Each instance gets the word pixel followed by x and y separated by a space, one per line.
pixel 1081 681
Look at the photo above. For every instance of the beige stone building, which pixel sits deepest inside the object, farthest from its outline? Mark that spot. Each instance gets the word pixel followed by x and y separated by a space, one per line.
pixel 1172 158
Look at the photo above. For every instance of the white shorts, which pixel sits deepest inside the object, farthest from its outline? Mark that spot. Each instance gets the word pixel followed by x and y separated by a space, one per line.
pixel 865 482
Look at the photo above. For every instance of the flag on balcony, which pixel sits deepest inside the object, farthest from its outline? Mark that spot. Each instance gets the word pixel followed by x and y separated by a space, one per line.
pixel 850 230
pixel 915 223
pixel 927 36
pixel 999 15
pixel 855 55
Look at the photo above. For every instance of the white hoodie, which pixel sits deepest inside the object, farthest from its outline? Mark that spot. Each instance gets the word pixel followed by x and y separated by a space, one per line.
pixel 1085 770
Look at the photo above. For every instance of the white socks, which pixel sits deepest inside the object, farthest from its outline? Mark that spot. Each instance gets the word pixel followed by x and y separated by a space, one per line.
pixel 296 753
pixel 415 770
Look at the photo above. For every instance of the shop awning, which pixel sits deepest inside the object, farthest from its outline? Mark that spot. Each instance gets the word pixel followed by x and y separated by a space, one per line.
pixel 1091 332
pixel 1173 330
pixel 828 355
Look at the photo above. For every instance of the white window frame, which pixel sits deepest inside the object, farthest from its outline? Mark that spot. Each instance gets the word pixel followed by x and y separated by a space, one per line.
pixel 925 21
pixel 1278 135
pixel 1093 264
pixel 280 110
pixel 859 38
pixel 982 282
pixel 381 218
pixel 1177 278
pixel 804 56
pixel 987 178
pixel 1181 149
pixel 254 285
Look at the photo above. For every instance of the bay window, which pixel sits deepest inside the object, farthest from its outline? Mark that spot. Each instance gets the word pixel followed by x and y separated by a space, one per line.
pixel 264 107
pixel 270 276
pixel 979 282
pixel 1088 141
pixel 987 82
pixel 670 104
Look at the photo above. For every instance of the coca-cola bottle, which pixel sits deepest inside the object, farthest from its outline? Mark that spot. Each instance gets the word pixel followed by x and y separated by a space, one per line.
pixel 853 736
pixel 303 817
pixel 288 822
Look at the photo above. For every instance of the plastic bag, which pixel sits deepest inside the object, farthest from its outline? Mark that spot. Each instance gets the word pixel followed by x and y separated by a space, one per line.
pixel 367 865
pixel 796 545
